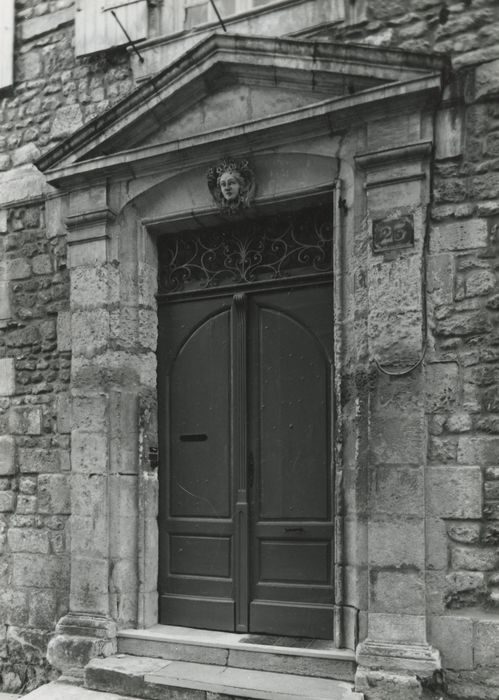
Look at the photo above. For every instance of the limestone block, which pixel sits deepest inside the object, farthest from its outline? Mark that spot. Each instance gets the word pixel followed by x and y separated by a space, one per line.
pixel 397 627
pixel 55 217
pixel 441 386
pixel 7 376
pixel 480 282
pixel 7 501
pixel 90 535
pixel 88 494
pixel 42 265
pixel 397 438
pixel 22 183
pixel 26 504
pixel 396 591
pixel 63 408
pixel 33 460
pixel 18 268
pixel 67 119
pixel 25 421
pixel 89 452
pixel 3 220
pixel 90 582
pixel 54 494
pixel 395 336
pixel 25 154
pixel 466 533
pixel 385 685
pixel 459 235
pixel 475 559
pixel 90 331
pixel 396 542
pixel 486 642
pixel 436 544
pixel 7 455
pixel 449 133
pixel 40 571
pixel 64 331
pixel 482 450
pixel 455 492
pixel 5 307
pixel 453 637
pixel 487 79
pixel 89 412
pixel 43 609
pixel 28 540
pixel 396 490
pixel 440 278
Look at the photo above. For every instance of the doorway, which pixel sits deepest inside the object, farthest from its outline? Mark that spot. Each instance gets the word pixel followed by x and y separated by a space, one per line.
pixel 246 483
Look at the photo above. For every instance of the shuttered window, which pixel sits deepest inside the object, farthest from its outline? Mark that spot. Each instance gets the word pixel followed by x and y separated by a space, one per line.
pixel 6 43
pixel 96 29
pixel 186 14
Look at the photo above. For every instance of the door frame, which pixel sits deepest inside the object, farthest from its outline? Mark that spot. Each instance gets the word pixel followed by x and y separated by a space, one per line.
pixel 301 201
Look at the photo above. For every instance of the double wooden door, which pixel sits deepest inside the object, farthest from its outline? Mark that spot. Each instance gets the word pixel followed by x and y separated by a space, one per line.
pixel 246 522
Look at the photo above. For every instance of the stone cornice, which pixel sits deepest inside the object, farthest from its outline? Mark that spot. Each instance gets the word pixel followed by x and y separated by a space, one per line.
pixel 154 99
pixel 89 226
pixel 421 150
pixel 329 116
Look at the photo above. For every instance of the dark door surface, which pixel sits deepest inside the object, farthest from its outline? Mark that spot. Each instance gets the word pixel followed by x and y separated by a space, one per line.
pixel 246 534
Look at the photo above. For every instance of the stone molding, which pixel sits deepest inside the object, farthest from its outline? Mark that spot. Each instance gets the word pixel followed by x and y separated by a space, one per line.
pixel 420 150
pixel 415 658
pixel 89 226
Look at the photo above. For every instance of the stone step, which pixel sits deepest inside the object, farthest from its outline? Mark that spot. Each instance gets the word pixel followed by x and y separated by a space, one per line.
pixel 160 679
pixel 64 691
pixel 315 658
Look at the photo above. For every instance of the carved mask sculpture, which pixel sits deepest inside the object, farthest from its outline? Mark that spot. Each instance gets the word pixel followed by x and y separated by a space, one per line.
pixel 232 185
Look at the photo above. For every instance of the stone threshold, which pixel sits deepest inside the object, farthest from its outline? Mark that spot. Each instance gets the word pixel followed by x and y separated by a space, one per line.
pixel 154 678
pixel 317 648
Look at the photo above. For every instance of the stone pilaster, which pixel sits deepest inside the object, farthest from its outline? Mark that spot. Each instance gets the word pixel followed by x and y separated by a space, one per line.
pixel 110 366
pixel 395 656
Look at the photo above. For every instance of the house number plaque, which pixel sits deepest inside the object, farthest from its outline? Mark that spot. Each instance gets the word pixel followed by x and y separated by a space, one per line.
pixel 390 234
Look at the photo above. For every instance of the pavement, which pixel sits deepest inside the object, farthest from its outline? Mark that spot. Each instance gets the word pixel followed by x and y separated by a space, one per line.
pixel 62 691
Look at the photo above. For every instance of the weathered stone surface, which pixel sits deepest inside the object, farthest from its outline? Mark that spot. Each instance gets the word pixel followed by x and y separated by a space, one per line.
pixel 453 637
pixel 459 235
pixel 441 386
pixel 7 455
pixel 487 80
pixel 54 494
pixel 7 376
pixel 455 492
pixel 67 119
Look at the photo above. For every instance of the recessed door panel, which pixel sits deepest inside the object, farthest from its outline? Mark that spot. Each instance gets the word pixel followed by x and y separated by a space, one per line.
pixel 200 480
pixel 294 454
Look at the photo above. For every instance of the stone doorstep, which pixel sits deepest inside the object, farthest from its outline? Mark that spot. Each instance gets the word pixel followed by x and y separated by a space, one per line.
pixel 155 679
pixel 9 696
pixel 63 691
pixel 229 649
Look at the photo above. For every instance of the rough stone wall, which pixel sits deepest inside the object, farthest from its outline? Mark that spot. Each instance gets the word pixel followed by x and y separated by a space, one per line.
pixel 34 447
pixel 54 93
pixel 462 362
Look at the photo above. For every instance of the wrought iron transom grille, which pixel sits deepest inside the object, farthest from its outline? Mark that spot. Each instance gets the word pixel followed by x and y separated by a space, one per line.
pixel 238 253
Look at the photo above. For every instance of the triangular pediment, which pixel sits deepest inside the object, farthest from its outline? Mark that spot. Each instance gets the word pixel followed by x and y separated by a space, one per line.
pixel 229 80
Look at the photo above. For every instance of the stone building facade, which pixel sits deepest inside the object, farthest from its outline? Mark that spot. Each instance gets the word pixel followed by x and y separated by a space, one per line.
pixel 387 114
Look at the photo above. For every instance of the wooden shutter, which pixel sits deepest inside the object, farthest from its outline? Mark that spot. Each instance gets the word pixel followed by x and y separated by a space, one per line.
pixel 97 30
pixel 6 43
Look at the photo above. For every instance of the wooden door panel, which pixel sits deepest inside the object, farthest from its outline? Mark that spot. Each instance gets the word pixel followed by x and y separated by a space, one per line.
pixel 200 480
pixel 290 436
pixel 293 450
pixel 196 522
